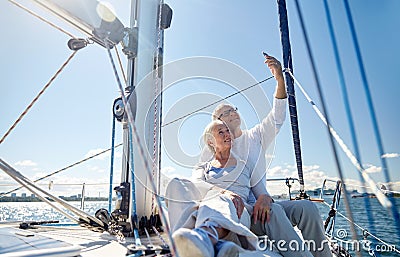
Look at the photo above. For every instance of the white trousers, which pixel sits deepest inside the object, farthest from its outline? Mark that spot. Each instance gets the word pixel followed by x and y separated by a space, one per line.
pixel 190 206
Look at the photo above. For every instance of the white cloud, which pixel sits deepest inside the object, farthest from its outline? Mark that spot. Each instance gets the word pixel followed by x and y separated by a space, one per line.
pixel 26 163
pixel 279 172
pixel 96 169
pixel 372 168
pixel 391 155
pixel 96 151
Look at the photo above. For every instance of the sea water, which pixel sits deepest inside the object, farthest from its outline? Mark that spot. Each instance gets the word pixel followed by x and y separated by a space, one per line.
pixel 383 223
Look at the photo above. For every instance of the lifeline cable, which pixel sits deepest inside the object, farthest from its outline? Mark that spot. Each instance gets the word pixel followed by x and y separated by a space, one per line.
pixel 371 108
pixel 63 169
pixel 361 228
pixel 319 89
pixel 37 97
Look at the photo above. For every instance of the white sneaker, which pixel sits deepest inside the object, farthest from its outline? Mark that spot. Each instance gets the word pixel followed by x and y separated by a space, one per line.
pixel 193 243
pixel 226 249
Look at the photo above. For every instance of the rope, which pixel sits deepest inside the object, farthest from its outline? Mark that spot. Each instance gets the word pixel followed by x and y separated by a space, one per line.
pixel 157 85
pixel 132 132
pixel 333 210
pixel 339 169
pixel 41 18
pixel 120 64
pixel 141 151
pixel 348 110
pixel 111 164
pixel 213 103
pixel 37 97
pixel 287 63
pixel 63 169
pixel 385 169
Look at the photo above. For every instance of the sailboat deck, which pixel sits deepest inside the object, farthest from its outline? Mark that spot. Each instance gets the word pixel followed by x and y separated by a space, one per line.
pixel 65 241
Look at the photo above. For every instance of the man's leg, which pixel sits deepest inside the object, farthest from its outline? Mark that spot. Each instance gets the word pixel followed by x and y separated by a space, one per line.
pixel 305 215
pixel 281 233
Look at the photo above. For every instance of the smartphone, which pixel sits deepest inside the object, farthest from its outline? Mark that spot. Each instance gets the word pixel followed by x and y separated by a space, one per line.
pixel 265 54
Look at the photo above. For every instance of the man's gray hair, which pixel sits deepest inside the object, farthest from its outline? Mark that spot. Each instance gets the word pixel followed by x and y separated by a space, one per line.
pixel 215 115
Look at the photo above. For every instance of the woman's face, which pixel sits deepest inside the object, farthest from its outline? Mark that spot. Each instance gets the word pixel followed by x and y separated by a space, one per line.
pixel 222 137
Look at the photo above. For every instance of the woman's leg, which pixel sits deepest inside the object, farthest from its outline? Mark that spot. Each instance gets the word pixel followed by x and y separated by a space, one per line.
pixel 182 199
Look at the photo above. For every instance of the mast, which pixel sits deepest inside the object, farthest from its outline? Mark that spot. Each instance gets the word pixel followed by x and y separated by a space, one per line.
pixel 287 63
pixel 142 43
pixel 148 20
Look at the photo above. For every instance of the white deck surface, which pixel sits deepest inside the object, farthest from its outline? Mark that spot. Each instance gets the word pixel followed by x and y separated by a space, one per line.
pixel 66 241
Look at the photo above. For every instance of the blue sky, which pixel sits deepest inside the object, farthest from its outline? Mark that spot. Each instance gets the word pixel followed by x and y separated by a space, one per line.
pixel 73 118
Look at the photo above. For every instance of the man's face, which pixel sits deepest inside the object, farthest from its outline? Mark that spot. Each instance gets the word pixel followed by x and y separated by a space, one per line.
pixel 230 116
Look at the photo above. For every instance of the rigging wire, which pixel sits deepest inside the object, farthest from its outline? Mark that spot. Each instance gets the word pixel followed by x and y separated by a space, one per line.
pixel 132 131
pixel 348 110
pixel 371 108
pixel 37 97
pixel 63 169
pixel 316 78
pixel 142 155
pixel 215 102
pixel 382 199
pixel 41 18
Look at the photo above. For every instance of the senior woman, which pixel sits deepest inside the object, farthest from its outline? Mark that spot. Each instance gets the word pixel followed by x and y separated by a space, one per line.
pixel 210 215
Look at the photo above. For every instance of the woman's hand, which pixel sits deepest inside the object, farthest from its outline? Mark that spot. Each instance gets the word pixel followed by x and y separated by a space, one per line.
pixel 237 201
pixel 262 208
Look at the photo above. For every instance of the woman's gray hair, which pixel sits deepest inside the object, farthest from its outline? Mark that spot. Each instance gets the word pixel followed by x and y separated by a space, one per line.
pixel 218 108
pixel 208 133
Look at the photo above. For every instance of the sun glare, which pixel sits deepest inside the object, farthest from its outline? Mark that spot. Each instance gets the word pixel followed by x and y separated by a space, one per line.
pixel 106 11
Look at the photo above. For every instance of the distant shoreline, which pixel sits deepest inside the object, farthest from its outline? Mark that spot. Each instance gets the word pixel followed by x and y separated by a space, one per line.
pixel 36 199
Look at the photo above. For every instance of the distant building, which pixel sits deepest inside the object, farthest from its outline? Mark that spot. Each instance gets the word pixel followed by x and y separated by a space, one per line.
pixel 13 195
pixel 23 195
